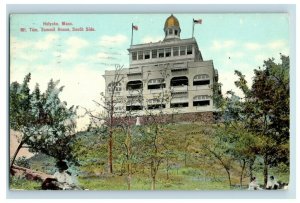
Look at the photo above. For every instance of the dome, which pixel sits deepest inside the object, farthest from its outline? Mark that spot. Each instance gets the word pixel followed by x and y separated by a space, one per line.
pixel 171 21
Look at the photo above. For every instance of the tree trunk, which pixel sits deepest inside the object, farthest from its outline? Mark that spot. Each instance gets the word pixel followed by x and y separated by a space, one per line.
pixel 242 173
pixel 129 181
pixel 128 171
pixel 251 169
pixel 110 137
pixel 15 154
pixel 153 183
pixel 229 178
pixel 110 167
pixel 265 170
pixel 128 157
pixel 167 169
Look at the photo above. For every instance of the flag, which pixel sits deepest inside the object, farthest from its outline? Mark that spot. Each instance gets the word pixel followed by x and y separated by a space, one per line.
pixel 135 27
pixel 199 21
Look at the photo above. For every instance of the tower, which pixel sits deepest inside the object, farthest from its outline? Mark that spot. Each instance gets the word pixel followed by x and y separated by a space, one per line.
pixel 172 28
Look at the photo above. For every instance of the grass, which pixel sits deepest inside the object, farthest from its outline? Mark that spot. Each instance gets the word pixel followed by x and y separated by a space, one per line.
pixel 20 183
pixel 143 182
pixel 193 172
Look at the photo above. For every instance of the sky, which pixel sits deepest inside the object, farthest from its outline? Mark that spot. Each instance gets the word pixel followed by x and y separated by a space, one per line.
pixel 79 58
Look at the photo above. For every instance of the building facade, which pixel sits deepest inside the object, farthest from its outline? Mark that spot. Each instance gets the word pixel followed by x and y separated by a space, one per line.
pixel 166 76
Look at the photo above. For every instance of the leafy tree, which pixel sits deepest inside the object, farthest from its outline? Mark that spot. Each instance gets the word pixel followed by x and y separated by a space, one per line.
pixel 259 122
pixel 267 110
pixel 46 123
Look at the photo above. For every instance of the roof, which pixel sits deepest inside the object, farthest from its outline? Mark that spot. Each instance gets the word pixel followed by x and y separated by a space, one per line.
pixel 171 22
pixel 163 43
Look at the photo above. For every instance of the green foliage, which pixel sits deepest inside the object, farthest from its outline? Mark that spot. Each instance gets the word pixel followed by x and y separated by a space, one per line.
pixel 267 109
pixel 256 125
pixel 23 162
pixel 46 123
pixel 20 183
pixel 42 162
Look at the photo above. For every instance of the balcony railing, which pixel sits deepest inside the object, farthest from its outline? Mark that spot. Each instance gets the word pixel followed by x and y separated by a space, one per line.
pixel 179 88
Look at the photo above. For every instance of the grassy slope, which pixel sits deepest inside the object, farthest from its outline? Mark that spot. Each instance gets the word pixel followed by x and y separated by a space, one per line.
pixel 200 173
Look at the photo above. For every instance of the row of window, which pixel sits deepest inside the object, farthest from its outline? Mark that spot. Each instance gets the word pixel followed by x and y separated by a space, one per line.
pixel 163 106
pixel 176 98
pixel 159 83
pixel 162 53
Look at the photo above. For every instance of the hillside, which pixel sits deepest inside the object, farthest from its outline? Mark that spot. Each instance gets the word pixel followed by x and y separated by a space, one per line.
pixel 184 164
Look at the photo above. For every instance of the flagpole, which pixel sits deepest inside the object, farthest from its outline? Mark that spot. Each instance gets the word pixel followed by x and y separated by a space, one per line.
pixel 131 33
pixel 193 28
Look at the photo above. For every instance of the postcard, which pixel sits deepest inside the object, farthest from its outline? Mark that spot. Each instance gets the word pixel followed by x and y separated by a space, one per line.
pixel 167 101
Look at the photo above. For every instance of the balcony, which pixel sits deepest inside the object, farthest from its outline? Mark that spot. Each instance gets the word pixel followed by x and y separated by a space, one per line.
pixel 183 88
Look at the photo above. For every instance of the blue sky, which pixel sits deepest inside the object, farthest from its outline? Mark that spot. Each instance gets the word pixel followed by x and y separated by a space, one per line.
pixel 78 59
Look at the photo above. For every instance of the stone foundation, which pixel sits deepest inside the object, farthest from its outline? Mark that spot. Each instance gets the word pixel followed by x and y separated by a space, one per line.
pixel 205 117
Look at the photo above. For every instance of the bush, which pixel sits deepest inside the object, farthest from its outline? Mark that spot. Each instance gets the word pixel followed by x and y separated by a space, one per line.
pixel 21 183
pixel 23 162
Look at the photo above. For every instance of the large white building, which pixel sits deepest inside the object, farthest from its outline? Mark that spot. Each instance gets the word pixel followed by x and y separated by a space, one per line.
pixel 166 76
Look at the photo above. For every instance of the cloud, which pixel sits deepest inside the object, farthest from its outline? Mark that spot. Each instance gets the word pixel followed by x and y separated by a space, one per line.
pixel 76 42
pixel 102 55
pixel 19 50
pixel 271 49
pixel 46 42
pixel 19 44
pixel 277 44
pixel 27 56
pixel 235 54
pixel 112 40
pixel 252 46
pixel 221 45
pixel 148 39
pixel 73 46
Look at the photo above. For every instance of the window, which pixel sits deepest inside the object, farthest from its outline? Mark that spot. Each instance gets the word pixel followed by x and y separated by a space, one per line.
pixel 147 54
pixel 154 53
pixel 168 52
pixel 201 100
pixel 182 50
pixel 156 83
pixel 140 55
pixel 156 106
pixel 189 50
pixel 117 87
pixel 134 108
pixel 134 85
pixel 175 51
pixel 179 100
pixel 161 53
pixel 179 81
pixel 179 105
pixel 170 31
pixel 202 79
pixel 176 32
pixel 134 55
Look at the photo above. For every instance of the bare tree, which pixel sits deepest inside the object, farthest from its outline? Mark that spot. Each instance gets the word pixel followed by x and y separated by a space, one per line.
pixel 107 117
